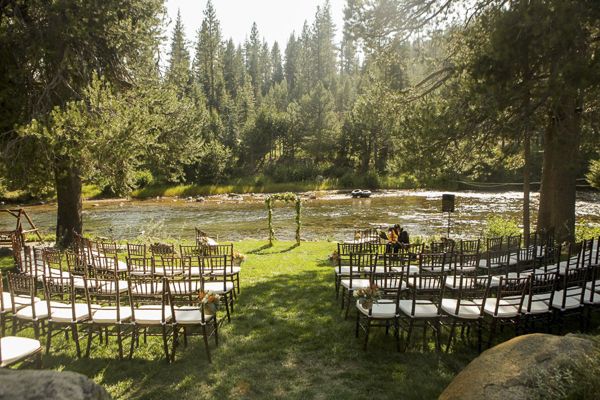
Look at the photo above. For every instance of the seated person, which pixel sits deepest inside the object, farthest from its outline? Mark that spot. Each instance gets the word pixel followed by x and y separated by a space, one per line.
pixel 403 236
pixel 392 237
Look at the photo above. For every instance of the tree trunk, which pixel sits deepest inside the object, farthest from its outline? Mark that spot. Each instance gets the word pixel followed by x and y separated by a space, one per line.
pixel 68 196
pixel 559 171
pixel 526 187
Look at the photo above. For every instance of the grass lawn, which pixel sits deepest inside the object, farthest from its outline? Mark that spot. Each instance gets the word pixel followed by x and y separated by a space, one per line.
pixel 287 340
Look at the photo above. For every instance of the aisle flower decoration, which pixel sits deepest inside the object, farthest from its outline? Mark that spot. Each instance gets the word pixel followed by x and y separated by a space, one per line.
pixel 210 301
pixel 368 296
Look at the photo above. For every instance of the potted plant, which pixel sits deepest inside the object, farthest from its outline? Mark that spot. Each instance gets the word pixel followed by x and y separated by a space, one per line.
pixel 368 296
pixel 210 302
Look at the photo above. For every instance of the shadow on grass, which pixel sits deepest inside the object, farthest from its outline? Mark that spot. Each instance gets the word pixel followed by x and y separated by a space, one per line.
pixel 287 339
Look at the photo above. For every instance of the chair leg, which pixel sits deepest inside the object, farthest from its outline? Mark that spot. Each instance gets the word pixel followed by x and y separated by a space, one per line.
pixel 227 309
pixel 349 300
pixel 492 332
pixel 216 328
pixel 3 324
pixel 451 336
pixel 367 330
pixel 166 343
pixel 36 330
pixel 38 360
pixel 134 340
pixel 89 341
pixel 175 342
pixel 120 341
pixel 357 324
pixel 424 336
pixel 75 334
pixel 479 333
pixel 397 334
pixel 48 338
pixel 206 343
pixel 343 294
pixel 409 334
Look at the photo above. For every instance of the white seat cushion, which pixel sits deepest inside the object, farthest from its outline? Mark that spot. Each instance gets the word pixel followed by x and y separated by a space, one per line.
pixel 147 288
pixel 356 283
pixel 218 286
pixel 189 315
pixel 423 309
pixel 17 348
pixel 108 315
pixel 345 271
pixel 571 302
pixel 111 287
pixel 412 269
pixel 506 308
pixel 64 313
pixel 152 315
pixel 596 285
pixel 121 266
pixel 227 271
pixel 382 309
pixel 453 282
pixel 41 311
pixel 20 301
pixel 468 309
pixel 539 304
pixel 160 271
pixel 591 298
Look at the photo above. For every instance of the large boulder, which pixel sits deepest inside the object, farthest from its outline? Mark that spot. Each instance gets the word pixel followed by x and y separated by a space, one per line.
pixel 50 385
pixel 507 370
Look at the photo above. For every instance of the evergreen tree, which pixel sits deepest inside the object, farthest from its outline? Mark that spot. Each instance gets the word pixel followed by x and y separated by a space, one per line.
pixel 208 66
pixel 291 63
pixel 277 76
pixel 323 49
pixel 178 72
pixel 253 49
pixel 233 69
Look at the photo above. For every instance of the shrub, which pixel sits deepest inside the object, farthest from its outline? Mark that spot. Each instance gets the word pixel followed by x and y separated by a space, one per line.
pixel 498 226
pixel 593 176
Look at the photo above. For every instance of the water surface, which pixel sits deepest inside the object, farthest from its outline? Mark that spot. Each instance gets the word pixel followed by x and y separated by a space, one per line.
pixel 330 216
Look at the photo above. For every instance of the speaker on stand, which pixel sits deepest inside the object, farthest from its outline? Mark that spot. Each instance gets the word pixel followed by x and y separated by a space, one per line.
pixel 448 201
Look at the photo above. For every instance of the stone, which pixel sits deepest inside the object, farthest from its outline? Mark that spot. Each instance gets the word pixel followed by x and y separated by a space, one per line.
pixel 506 370
pixel 48 385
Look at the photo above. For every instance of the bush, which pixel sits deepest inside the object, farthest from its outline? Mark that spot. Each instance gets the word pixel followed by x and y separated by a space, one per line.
pixel 498 226
pixel 142 179
pixel 593 176
pixel 212 164
pixel 371 180
pixel 293 172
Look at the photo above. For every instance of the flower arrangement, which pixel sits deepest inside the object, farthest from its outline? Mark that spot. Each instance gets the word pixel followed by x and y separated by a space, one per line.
pixel 367 296
pixel 334 257
pixel 210 301
pixel 238 258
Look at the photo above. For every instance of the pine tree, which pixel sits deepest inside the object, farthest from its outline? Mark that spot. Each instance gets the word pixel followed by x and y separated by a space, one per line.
pixel 178 72
pixel 349 63
pixel 233 69
pixel 253 48
pixel 277 76
pixel 208 66
pixel 266 70
pixel 291 63
pixel 323 47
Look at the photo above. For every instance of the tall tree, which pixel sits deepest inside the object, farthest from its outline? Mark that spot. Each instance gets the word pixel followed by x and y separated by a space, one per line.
pixel 50 53
pixel 323 47
pixel 178 72
pixel 277 76
pixel 253 49
pixel 208 62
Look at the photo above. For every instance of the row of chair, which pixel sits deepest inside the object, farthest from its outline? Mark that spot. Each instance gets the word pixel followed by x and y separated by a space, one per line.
pixel 362 269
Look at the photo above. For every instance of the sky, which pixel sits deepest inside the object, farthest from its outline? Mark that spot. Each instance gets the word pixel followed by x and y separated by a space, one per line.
pixel 276 19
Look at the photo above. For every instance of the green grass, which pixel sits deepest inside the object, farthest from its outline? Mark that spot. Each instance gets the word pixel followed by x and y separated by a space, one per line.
pixel 287 340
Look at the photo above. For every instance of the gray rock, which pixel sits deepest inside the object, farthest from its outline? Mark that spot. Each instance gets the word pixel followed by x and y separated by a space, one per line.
pixel 506 371
pixel 50 385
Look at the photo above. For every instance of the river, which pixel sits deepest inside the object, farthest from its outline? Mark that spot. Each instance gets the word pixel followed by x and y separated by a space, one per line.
pixel 330 216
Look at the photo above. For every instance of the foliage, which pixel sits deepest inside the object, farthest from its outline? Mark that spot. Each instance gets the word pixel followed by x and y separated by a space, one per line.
pixel 499 226
pixel 287 198
pixel 593 176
